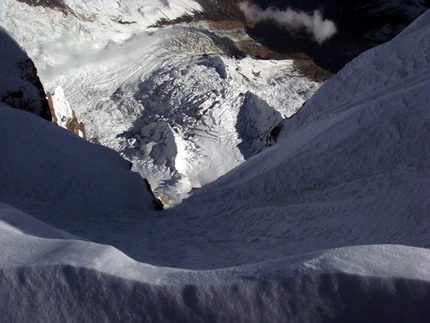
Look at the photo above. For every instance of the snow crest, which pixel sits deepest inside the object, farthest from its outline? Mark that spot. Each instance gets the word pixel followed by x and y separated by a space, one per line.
pixel 349 169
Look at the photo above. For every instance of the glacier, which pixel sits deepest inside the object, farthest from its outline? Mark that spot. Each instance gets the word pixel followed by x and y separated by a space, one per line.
pixel 164 98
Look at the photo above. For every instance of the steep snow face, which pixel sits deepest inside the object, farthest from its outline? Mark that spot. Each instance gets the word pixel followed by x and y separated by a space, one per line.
pixel 351 167
pixel 20 86
pixel 62 179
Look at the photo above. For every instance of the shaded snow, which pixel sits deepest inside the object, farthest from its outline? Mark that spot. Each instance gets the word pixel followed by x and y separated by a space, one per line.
pixel 61 279
pixel 350 169
pixel 63 179
pixel 20 86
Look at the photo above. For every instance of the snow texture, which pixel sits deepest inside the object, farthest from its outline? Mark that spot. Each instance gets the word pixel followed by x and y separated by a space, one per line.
pixel 330 224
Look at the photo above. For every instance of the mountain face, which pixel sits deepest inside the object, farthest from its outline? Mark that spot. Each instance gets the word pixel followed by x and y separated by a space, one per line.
pixel 21 87
pixel 329 224
pixel 167 97
pixel 52 4
pixel 164 98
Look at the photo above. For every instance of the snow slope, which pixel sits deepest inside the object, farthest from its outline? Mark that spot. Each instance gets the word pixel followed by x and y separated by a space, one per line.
pixel 350 169
pixel 64 180
pixel 57 279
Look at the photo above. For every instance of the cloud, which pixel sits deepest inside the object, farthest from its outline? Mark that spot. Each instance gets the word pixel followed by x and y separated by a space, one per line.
pixel 320 28
pixel 70 53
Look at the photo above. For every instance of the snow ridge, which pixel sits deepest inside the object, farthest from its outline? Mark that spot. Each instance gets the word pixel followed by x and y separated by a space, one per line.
pixel 328 224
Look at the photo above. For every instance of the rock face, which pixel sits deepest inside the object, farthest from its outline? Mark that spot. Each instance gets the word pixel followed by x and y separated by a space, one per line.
pixel 22 89
pixel 20 85
pixel 53 4
pixel 63 115
pixel 255 122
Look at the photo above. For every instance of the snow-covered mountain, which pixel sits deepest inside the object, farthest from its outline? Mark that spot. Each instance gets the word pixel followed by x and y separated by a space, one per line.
pixel 329 223
pixel 167 98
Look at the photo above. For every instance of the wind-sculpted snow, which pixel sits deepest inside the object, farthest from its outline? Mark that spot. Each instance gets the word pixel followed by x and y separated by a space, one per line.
pixel 57 278
pixel 330 224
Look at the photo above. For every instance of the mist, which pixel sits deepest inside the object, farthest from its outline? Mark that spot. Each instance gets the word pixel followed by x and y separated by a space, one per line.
pixel 321 29
pixel 69 53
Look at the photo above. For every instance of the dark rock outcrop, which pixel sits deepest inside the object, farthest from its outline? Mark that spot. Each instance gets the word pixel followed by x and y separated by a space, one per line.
pixel 20 87
pixel 52 4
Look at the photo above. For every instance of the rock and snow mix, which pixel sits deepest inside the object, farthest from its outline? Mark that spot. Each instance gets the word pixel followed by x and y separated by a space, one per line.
pixel 175 102
pixel 350 169
pixel 198 118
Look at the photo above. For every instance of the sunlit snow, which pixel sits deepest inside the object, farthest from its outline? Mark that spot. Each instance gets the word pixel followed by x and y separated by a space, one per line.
pixel 328 224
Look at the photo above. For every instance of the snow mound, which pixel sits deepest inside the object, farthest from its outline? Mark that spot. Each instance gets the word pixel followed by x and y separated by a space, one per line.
pixel 64 179
pixel 62 279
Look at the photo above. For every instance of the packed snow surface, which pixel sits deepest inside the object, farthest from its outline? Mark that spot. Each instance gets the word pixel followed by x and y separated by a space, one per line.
pixel 330 223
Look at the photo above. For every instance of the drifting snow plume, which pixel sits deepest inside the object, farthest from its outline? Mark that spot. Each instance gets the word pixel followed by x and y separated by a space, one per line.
pixel 321 29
